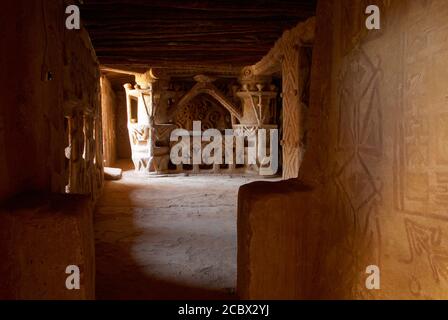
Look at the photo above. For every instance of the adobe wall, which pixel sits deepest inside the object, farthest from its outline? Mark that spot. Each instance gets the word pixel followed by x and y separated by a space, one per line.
pixel 378 152
pixel 40 236
pixel 50 142
pixel 33 128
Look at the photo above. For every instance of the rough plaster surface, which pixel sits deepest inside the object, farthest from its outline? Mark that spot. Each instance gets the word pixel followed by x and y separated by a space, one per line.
pixel 376 157
pixel 271 229
pixel 35 253
pixel 167 237
pixel 378 150
pixel 45 69
pixel 32 128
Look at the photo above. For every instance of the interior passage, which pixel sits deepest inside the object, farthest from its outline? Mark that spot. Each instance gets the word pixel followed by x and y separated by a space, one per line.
pixel 167 237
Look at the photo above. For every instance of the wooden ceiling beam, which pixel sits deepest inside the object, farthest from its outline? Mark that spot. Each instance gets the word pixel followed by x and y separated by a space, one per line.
pixel 211 33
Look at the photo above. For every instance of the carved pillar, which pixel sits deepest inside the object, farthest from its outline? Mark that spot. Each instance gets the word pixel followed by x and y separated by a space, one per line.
pixel 139 120
pixel 83 151
pixel 145 133
pixel 259 110
pixel 291 107
pixel 256 94
pixel 286 57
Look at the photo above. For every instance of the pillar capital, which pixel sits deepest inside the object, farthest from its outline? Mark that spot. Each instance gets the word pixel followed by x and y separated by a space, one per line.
pixel 250 80
pixel 145 80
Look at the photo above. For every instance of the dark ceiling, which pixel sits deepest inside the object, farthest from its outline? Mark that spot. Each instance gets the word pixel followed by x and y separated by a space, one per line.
pixel 214 34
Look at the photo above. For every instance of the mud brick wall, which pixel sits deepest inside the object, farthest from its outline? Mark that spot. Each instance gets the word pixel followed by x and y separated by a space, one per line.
pixel 45 68
pixel 50 79
pixel 40 235
pixel 378 154
pixel 375 171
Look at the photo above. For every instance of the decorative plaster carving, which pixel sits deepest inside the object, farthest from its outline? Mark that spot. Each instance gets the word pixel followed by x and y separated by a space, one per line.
pixel 285 57
pixel 204 85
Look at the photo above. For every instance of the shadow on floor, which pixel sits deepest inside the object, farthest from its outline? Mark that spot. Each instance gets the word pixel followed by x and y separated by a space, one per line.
pixel 135 284
pixel 118 275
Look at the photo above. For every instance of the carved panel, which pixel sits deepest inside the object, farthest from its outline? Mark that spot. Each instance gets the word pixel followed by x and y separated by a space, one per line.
pixel 204 109
pixel 353 188
pixel 378 151
pixel 422 138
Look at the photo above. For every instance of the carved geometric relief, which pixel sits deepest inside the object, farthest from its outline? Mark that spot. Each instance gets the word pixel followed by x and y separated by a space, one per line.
pixel 422 139
pixel 357 242
pixel 359 141
pixel 358 150
pixel 359 136
pixel 360 116
pixel 353 25
pixel 356 183
pixel 346 121
pixel 204 109
pixel 440 193
pixel 370 123
pixel 441 126
pixel 426 242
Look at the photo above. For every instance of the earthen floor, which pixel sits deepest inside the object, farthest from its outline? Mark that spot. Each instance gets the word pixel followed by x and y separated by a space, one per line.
pixel 167 237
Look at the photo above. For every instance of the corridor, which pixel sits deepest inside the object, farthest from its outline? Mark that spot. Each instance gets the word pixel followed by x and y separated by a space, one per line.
pixel 167 237
pixel 345 103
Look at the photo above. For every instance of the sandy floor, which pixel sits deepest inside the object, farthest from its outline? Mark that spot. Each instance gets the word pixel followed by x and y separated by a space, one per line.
pixel 167 237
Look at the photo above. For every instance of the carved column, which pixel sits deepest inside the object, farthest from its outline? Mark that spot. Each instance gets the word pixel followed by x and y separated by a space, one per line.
pixel 139 121
pixel 287 57
pixel 83 151
pixel 258 95
pixel 148 137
